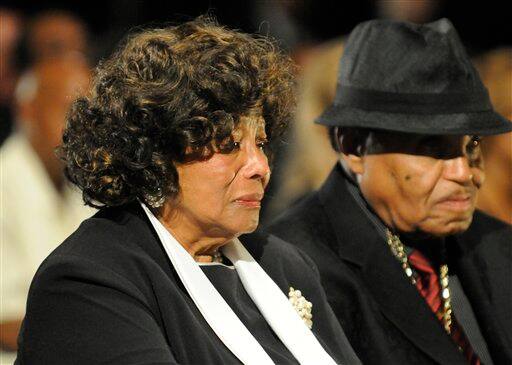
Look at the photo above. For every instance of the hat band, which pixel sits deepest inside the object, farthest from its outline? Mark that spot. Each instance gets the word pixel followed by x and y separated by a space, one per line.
pixel 410 103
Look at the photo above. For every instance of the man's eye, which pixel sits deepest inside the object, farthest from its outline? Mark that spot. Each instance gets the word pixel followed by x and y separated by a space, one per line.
pixel 433 147
pixel 474 143
pixel 473 151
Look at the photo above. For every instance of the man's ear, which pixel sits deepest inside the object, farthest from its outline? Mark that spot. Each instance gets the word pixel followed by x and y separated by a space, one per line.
pixel 350 145
pixel 355 163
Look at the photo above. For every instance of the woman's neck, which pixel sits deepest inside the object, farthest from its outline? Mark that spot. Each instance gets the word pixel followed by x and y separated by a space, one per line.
pixel 200 242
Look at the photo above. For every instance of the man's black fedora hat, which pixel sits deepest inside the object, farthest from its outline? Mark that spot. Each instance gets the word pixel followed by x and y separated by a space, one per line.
pixel 413 78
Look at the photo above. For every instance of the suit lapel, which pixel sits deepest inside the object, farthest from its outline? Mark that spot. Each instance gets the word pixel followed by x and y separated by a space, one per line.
pixel 359 242
pixel 402 304
pixel 488 289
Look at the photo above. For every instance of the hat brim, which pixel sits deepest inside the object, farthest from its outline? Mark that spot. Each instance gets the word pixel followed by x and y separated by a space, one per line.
pixel 478 123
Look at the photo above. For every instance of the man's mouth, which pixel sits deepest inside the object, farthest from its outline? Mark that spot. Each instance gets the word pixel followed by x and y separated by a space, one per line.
pixel 457 202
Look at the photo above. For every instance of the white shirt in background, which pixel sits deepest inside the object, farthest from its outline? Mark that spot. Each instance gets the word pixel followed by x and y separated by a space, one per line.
pixel 34 219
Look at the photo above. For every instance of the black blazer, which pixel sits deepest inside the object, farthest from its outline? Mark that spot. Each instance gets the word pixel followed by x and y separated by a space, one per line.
pixel 385 318
pixel 109 294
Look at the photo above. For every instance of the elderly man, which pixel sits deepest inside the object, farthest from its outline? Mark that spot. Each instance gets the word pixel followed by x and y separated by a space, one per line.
pixel 414 274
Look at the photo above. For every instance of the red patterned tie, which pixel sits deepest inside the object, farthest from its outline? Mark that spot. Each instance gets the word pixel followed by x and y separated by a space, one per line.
pixel 430 288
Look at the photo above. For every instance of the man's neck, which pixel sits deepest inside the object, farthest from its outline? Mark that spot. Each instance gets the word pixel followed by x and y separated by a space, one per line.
pixel 432 247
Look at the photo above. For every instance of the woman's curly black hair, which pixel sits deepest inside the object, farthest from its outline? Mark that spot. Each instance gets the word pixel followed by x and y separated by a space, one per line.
pixel 170 95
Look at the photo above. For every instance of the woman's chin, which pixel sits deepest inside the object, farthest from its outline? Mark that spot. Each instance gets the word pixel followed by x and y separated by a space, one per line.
pixel 247 225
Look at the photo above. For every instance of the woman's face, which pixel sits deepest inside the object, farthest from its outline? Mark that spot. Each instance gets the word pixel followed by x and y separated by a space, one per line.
pixel 222 195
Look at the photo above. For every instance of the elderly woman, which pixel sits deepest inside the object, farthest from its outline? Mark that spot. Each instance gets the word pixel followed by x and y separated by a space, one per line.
pixel 172 145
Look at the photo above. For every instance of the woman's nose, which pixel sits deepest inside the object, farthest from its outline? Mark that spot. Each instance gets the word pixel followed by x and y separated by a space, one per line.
pixel 256 164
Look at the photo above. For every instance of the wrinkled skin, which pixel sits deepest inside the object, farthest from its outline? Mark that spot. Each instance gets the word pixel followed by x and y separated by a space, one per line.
pixel 420 183
pixel 220 198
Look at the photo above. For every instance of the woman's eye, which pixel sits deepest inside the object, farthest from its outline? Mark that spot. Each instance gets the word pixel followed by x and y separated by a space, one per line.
pixel 262 144
pixel 228 146
pixel 233 146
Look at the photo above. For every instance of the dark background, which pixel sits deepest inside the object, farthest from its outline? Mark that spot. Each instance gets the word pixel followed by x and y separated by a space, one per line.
pixel 481 24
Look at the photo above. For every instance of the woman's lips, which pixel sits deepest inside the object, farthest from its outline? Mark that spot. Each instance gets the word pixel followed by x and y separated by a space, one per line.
pixel 249 203
pixel 250 200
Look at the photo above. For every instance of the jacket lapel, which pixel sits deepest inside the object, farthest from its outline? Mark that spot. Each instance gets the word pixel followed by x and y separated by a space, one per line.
pixel 359 242
pixel 487 287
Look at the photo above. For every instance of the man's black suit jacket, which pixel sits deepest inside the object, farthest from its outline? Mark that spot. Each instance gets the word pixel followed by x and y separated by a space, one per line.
pixel 385 318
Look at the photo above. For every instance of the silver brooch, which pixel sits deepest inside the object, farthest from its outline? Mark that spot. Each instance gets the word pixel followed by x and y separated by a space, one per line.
pixel 302 306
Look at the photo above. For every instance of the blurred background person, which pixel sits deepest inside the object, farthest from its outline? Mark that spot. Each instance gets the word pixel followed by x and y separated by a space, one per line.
pixel 38 208
pixel 495 198
pixel 49 34
pixel 52 34
pixel 10 32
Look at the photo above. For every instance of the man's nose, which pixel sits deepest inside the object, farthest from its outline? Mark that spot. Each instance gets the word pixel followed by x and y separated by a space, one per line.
pixel 458 169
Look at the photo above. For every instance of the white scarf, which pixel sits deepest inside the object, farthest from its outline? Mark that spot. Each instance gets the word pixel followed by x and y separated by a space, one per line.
pixel 270 300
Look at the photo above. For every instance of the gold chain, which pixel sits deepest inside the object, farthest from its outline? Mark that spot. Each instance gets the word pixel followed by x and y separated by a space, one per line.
pixel 398 250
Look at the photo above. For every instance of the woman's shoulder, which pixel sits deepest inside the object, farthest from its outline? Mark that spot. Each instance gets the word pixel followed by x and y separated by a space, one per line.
pixel 262 244
pixel 278 256
pixel 115 242
pixel 101 280
pixel 111 231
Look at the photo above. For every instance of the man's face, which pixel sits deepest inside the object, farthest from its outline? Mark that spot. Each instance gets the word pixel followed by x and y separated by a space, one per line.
pixel 421 182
